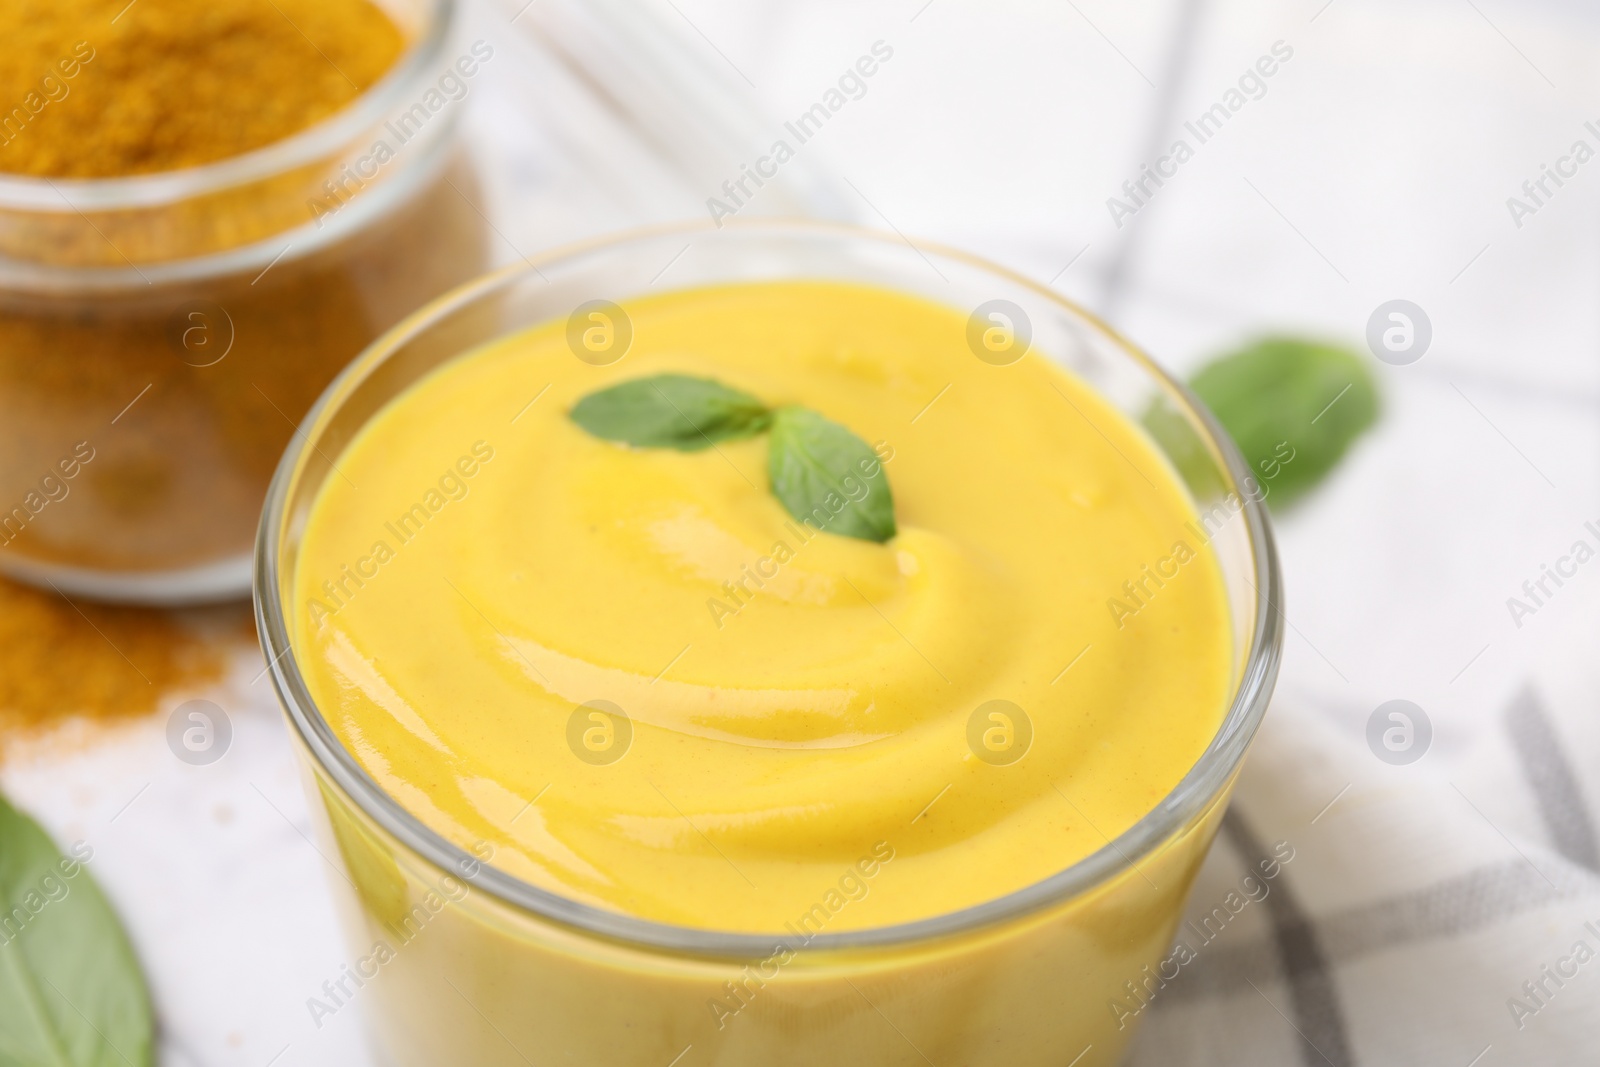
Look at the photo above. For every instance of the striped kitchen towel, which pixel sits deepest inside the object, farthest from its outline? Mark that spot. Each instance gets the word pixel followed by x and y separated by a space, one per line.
pixel 1437 911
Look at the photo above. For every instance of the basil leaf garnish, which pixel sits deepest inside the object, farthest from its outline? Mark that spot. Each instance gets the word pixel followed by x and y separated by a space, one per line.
pixel 71 993
pixel 1316 398
pixel 821 472
pixel 826 475
pixel 1279 397
pixel 671 411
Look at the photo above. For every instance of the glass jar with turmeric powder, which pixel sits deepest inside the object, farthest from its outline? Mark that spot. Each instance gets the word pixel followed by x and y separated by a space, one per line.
pixel 205 212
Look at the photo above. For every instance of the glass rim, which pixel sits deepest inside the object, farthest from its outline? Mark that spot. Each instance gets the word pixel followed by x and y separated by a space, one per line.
pixel 1187 800
pixel 23 192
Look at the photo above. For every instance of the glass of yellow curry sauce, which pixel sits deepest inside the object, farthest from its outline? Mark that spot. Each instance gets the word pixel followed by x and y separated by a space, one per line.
pixel 206 211
pixel 881 716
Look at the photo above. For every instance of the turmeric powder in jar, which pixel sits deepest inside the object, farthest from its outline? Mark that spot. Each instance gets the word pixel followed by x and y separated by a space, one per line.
pixel 206 210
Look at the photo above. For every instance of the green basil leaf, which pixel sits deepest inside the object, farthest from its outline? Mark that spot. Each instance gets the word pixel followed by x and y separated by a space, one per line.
pixel 1294 407
pixel 671 411
pixel 826 475
pixel 71 993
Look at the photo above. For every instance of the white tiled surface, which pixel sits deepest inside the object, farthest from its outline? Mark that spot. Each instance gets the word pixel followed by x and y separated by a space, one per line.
pixel 1390 141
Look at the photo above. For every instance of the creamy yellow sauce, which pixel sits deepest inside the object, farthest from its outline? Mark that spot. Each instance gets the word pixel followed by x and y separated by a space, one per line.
pixel 800 745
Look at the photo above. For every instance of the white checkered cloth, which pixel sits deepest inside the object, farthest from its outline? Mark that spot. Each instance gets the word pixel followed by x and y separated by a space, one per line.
pixel 1446 912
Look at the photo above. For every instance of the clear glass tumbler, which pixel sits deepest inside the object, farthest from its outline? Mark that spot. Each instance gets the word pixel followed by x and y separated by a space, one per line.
pixel 455 961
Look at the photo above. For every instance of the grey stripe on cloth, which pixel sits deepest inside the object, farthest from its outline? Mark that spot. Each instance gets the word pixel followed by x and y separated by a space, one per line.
pixel 1181 48
pixel 1318 1017
pixel 1472 901
pixel 1554 783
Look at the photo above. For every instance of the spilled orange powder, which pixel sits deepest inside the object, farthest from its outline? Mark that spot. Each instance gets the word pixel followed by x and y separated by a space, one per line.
pixel 61 659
